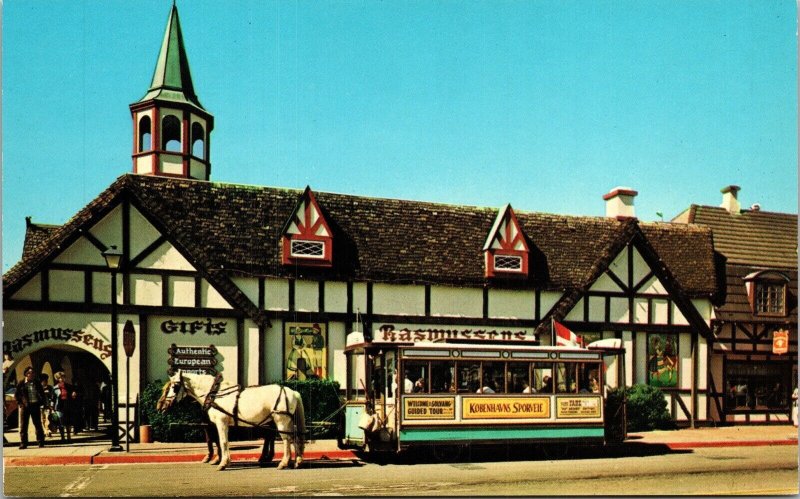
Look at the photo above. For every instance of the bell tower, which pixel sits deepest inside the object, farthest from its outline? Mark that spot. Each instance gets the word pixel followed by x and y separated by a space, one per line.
pixel 171 129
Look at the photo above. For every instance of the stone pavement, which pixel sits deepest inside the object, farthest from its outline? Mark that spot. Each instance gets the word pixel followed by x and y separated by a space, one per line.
pixel 92 448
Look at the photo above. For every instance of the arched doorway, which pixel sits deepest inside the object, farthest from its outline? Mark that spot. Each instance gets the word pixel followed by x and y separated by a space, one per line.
pixel 84 371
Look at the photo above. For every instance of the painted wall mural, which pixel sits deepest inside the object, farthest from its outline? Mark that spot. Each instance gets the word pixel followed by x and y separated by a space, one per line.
pixel 662 360
pixel 305 350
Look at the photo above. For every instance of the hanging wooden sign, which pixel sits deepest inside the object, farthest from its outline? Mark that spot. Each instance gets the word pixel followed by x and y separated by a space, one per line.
pixel 780 341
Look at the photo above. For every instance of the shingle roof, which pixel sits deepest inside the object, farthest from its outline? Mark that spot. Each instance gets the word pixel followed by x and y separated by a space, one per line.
pixel 237 228
pixel 758 238
pixel 35 234
pixel 751 241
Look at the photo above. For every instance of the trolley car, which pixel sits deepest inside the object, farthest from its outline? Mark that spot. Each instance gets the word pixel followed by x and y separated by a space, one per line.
pixel 401 395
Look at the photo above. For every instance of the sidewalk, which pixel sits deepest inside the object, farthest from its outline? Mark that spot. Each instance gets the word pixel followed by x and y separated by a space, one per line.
pixel 92 449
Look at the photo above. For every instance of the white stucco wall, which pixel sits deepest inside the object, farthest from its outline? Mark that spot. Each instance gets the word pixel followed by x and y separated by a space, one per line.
pixel 449 301
pixel 398 299
pixel 32 290
pixel 181 291
pixel 146 289
pixel 276 294
pixel 273 352
pixel 517 304
pixel 248 286
pixel 335 296
pixel 143 234
pixel 210 297
pixel 306 296
pixel 166 257
pixel 67 285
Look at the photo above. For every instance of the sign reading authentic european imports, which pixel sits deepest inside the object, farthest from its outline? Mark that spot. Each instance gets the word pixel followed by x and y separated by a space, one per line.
pixel 578 407
pixel 193 359
pixel 433 334
pixel 505 408
pixel 429 408
pixel 191 327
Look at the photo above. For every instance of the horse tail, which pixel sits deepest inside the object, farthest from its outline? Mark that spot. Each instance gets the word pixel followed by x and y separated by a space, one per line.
pixel 300 419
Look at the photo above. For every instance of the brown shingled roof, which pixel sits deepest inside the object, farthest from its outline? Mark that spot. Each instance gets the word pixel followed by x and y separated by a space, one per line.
pixel 236 229
pixel 757 238
pixel 35 234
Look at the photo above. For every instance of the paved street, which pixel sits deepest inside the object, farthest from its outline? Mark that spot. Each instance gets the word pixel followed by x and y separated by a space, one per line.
pixel 656 470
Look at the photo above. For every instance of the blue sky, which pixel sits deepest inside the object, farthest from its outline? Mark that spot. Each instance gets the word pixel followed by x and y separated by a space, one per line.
pixel 547 105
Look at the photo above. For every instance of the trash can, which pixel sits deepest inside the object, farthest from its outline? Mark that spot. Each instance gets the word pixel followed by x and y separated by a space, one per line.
pixel 145 434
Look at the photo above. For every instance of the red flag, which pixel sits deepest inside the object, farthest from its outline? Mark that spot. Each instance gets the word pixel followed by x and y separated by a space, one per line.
pixel 564 336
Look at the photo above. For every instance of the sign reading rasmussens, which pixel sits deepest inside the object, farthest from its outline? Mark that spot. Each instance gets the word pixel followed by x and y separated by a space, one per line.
pixel 429 408
pixel 578 407
pixel 505 408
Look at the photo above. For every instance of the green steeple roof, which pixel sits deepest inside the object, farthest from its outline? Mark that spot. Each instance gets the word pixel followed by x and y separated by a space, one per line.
pixel 172 80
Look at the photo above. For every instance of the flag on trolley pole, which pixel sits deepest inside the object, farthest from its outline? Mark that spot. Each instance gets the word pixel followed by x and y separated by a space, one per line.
pixel 564 336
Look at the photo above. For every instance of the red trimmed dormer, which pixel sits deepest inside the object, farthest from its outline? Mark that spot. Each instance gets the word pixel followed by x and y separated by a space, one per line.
pixel 506 251
pixel 307 239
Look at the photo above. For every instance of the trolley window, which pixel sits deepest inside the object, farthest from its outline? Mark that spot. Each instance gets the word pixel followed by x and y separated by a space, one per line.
pixel 519 377
pixel 416 377
pixel 566 378
pixel 543 377
pixel 355 380
pixel 442 377
pixel 493 378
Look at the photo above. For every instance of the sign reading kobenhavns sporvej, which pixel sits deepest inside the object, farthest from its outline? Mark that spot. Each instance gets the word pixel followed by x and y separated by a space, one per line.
pixel 193 359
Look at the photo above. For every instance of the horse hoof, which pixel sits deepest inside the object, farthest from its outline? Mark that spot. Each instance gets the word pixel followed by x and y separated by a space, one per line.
pixel 298 463
pixel 221 467
pixel 215 461
pixel 282 465
pixel 206 459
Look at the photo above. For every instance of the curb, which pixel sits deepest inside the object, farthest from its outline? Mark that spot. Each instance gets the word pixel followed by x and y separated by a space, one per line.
pixel 159 458
pixel 739 443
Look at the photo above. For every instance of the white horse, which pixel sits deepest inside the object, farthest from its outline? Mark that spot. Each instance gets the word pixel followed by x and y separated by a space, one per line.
pixel 251 406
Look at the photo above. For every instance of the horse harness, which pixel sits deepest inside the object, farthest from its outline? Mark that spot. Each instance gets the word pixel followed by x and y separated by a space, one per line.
pixel 215 393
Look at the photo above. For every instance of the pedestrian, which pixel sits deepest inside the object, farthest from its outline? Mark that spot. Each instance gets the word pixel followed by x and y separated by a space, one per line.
pixel 30 399
pixel 76 407
pixel 47 407
pixel 794 406
pixel 62 396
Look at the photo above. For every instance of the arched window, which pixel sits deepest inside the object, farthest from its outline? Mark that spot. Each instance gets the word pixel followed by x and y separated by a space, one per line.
pixel 198 141
pixel 171 134
pixel 145 134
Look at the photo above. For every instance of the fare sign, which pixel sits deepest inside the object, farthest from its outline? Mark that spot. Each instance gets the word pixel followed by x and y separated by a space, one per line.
pixel 780 341
pixel 578 407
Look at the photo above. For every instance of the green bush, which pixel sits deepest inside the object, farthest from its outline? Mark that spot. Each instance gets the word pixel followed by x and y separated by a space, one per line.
pixel 182 422
pixel 320 400
pixel 646 409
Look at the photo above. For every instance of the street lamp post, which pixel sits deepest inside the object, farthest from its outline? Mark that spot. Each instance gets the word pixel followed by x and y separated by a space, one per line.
pixel 113 257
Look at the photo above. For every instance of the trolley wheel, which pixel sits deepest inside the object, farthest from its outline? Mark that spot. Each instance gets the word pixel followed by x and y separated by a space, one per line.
pixel 448 453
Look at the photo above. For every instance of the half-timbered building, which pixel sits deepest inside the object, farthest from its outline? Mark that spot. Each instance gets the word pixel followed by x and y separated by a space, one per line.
pixel 263 283
pixel 753 359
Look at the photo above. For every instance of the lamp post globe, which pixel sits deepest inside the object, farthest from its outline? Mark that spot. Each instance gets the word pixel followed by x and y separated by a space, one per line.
pixel 113 257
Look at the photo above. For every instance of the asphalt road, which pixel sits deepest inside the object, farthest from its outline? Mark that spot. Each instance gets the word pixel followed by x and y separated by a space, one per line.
pixel 707 471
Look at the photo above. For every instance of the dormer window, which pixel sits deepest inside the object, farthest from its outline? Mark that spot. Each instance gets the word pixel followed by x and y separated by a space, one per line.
pixel 766 292
pixel 307 238
pixel 505 250
pixel 770 298
pixel 507 263
pixel 307 249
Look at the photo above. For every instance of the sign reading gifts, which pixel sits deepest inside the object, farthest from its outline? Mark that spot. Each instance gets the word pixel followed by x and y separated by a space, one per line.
pixel 433 334
pixel 505 407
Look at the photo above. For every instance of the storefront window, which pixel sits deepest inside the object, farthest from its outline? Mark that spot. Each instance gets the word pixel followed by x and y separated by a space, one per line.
pixel 757 386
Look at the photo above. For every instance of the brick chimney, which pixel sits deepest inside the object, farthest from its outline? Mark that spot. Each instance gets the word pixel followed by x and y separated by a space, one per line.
pixel 619 203
pixel 730 200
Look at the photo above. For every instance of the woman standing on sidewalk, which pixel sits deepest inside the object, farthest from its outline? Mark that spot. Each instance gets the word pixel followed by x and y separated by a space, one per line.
pixel 62 393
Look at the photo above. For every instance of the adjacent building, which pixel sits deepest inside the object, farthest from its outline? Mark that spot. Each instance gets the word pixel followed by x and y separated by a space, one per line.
pixel 753 359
